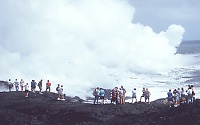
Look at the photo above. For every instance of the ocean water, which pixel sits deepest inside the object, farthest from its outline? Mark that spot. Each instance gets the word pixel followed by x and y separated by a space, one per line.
pixel 159 84
pixel 180 77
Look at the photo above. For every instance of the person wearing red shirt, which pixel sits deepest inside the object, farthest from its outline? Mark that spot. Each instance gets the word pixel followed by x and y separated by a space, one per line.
pixel 48 85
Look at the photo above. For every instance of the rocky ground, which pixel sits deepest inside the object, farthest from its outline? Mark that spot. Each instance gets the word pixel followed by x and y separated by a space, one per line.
pixel 44 109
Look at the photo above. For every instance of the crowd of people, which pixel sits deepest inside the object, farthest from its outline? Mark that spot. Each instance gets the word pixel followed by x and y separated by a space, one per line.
pixel 181 96
pixel 25 87
pixel 117 95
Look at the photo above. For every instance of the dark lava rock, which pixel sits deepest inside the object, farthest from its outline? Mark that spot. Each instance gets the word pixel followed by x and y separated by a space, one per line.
pixel 44 109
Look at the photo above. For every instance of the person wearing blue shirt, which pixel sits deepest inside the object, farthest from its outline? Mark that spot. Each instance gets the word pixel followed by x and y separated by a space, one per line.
pixel 170 97
pixel 102 94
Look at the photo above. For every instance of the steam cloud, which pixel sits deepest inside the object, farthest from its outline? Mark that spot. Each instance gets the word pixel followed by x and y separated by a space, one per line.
pixel 81 44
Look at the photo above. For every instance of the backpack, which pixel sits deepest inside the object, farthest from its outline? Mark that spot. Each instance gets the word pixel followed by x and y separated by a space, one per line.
pixel 193 92
pixel 57 88
pixel 113 93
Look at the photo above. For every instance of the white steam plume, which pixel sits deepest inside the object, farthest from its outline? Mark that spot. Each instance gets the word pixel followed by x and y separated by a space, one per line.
pixel 81 44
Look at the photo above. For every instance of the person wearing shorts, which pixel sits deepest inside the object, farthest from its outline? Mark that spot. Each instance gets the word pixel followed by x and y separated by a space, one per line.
pixel 26 90
pixel 134 95
pixel 102 94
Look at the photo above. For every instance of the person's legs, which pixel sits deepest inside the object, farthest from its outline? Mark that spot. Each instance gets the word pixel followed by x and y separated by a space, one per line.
pixel 145 99
pixel 116 101
pixel 95 98
pixel 141 98
pixel 122 99
pixel 17 88
pixel 148 99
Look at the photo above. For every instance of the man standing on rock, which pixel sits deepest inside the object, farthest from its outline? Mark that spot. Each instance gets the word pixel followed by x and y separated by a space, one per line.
pixel 10 85
pixel 40 86
pixel 170 98
pixel 143 90
pixel 48 85
pixel 96 95
pixel 134 95
pixel 147 95
pixel 33 86
pixel 16 85
pixel 57 89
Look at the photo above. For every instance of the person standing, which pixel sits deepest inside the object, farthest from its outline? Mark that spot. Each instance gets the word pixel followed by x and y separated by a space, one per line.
pixel 170 98
pixel 26 90
pixel 48 86
pixel 58 89
pixel 134 95
pixel 143 90
pixel 117 94
pixel 189 93
pixel 147 95
pixel 102 95
pixel 22 84
pixel 61 93
pixel 33 86
pixel 113 95
pixel 16 85
pixel 40 86
pixel 10 85
pixel 123 94
pixel 193 93
pixel 96 95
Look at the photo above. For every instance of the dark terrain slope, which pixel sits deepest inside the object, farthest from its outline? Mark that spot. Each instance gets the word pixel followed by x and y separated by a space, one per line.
pixel 39 109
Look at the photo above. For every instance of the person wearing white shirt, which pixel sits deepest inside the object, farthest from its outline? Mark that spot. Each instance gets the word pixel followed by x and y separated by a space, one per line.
pixel 26 90
pixel 22 84
pixel 134 95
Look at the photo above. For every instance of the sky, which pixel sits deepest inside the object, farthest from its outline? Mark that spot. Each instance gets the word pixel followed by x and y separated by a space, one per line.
pixel 87 43
pixel 159 14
